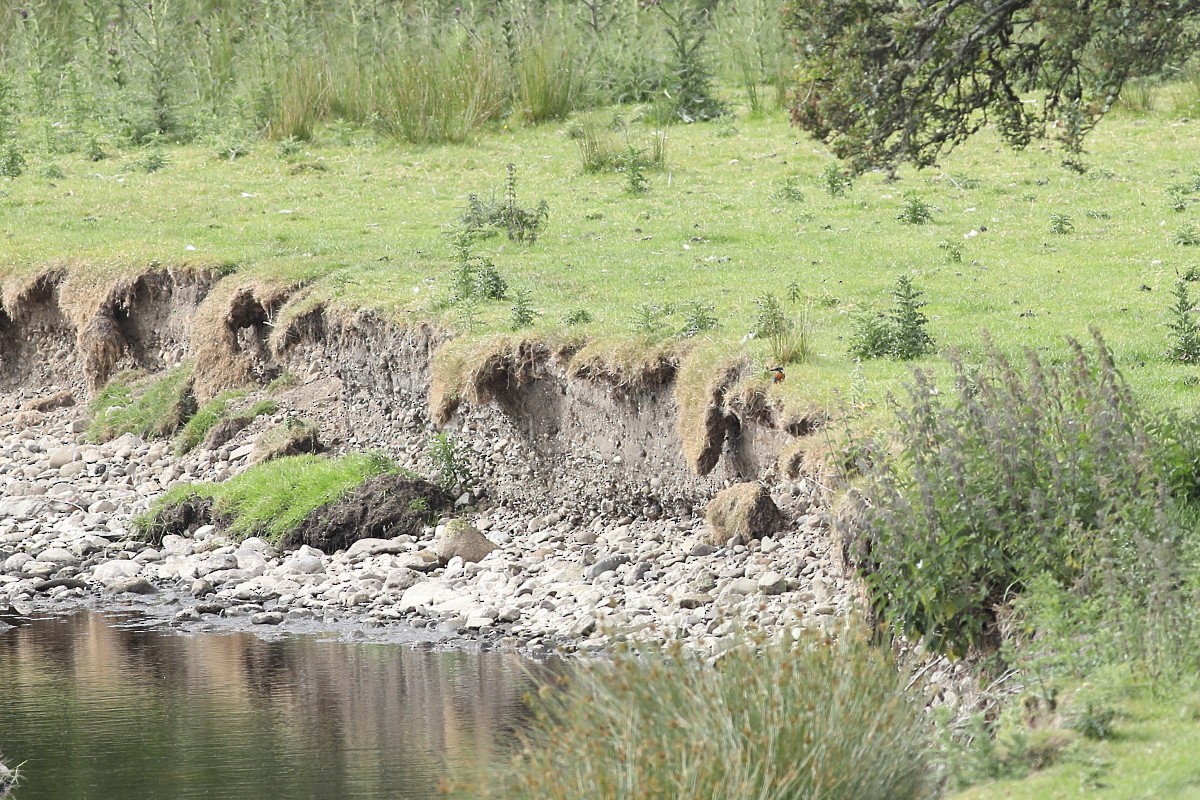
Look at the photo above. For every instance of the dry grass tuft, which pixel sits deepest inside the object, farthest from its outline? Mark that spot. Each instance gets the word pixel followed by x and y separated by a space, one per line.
pixel 482 370
pixel 700 387
pixel 744 510
pixel 231 332
pixel 63 399
pixel 629 365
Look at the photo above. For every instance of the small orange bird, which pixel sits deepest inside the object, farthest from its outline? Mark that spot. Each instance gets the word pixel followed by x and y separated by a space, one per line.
pixel 779 376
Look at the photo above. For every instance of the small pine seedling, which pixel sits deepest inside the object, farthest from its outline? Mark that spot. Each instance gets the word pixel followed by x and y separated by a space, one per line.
pixel 1185 332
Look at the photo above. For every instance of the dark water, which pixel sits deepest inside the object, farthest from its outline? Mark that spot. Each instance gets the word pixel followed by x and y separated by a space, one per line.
pixel 99 707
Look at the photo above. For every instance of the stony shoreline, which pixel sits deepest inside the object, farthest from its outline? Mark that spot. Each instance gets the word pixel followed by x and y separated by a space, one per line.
pixel 555 580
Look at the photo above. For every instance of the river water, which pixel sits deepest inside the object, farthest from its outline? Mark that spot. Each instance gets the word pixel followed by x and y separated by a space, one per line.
pixel 102 707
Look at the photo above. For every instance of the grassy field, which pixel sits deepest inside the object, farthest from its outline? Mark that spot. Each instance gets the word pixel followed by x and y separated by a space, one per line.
pixel 1017 244
pixel 1149 754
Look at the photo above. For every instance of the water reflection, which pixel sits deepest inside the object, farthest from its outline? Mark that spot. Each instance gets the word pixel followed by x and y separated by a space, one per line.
pixel 96 709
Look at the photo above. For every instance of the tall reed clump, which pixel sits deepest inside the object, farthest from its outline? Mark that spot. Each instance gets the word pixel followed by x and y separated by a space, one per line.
pixel 784 719
pixel 1049 473
pixel 444 94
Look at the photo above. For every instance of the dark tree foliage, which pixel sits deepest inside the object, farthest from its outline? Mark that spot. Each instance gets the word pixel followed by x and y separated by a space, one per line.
pixel 890 81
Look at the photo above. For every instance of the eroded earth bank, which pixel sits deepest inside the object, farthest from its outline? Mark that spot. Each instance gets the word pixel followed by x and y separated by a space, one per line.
pixel 591 480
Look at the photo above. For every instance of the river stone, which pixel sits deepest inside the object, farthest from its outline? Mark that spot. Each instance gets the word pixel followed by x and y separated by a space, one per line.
pixel 72 469
pixel 21 510
pixel 15 564
pixel 744 510
pixel 62 456
pixel 401 579
pixel 743 586
pixel 462 539
pixel 426 594
pixel 694 600
pixel 304 565
pixel 772 583
pixel 607 564
pixel 132 586
pixel 111 571
pixel 364 548
pixel 57 555
pixel 266 618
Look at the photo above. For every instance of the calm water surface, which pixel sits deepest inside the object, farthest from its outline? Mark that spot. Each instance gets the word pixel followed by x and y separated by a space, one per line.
pixel 100 707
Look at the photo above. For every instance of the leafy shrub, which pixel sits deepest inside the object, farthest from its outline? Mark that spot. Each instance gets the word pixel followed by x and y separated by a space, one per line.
pixel 915 211
pixel 790 191
pixel 12 162
pixel 808 718
pixel 698 317
pixel 835 180
pixel 1061 224
pixel 1013 475
pixel 953 250
pixel 790 343
pixel 649 319
pixel 489 216
pixel 522 311
pixel 899 333
pixel 578 316
pixel 475 276
pixel 1185 339
pixel 1187 236
pixel 449 462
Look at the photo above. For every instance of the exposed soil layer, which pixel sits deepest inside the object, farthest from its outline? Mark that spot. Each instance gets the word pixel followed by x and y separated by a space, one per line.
pixel 182 519
pixel 537 427
pixel 381 508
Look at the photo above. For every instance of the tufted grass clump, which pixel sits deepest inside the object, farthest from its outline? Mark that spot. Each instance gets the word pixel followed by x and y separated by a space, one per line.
pixel 770 720
pixel 147 407
pixel 272 498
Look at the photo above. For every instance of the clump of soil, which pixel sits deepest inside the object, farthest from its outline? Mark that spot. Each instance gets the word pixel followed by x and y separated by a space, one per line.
pixel 293 438
pixel 745 510
pixel 381 508
pixel 182 519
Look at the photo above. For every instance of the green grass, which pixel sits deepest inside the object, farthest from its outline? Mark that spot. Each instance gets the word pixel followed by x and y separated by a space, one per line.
pixel 1151 754
pixel 214 411
pixel 368 229
pixel 148 407
pixel 270 499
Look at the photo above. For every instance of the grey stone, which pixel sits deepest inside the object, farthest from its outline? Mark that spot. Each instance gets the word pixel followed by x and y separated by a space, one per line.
pixel 202 588
pixel 266 618
pixel 364 548
pixel 15 564
pixel 426 594
pixel 703 549
pixel 460 538
pixel 772 583
pixel 742 586
pixel 72 469
pixel 111 571
pixel 132 586
pixel 63 456
pixel 402 578
pixel 304 565
pixel 606 564
pixel 694 600
pixel 57 555
pixel 636 573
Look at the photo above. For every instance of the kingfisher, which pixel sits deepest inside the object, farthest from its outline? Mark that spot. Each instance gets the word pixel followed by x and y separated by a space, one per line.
pixel 779 376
